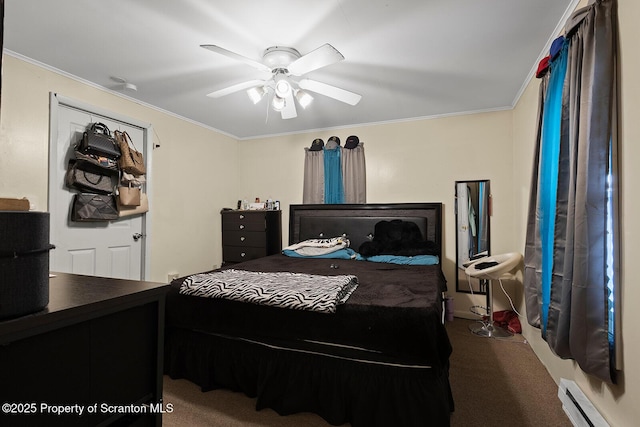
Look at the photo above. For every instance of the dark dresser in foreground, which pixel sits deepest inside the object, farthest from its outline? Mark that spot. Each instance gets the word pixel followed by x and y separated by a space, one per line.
pixel 250 234
pixel 93 357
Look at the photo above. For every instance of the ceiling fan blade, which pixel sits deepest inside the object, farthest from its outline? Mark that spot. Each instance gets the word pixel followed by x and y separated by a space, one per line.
pixel 321 57
pixel 235 88
pixel 289 110
pixel 330 91
pixel 237 57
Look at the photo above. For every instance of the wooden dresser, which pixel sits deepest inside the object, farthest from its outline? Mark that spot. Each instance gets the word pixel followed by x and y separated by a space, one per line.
pixel 97 348
pixel 250 234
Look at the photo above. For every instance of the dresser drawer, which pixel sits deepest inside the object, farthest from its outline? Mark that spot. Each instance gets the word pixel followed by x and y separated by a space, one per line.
pixel 254 221
pixel 244 238
pixel 239 253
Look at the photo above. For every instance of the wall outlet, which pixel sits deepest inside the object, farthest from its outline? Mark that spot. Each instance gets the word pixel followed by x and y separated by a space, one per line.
pixel 172 276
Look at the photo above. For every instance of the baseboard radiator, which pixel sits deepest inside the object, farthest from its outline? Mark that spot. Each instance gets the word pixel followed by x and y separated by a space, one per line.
pixel 578 407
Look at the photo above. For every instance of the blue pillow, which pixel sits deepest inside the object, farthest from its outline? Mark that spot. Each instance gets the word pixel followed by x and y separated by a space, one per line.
pixel 346 253
pixel 405 260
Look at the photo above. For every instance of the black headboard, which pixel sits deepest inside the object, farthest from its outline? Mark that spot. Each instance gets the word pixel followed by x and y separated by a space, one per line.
pixel 357 222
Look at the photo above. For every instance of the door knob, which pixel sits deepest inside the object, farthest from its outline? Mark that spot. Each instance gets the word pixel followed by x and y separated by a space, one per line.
pixel 137 236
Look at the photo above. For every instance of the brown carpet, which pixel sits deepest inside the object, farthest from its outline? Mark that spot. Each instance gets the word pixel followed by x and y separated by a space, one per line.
pixel 223 408
pixel 495 382
pixel 500 382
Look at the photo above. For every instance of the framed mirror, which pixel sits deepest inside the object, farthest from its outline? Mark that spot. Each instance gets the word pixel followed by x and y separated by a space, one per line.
pixel 473 231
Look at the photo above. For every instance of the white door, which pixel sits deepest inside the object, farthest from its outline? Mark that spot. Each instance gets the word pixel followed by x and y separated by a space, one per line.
pixel 107 249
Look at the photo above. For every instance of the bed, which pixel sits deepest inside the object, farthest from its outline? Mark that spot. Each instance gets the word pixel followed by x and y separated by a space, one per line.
pixel 380 358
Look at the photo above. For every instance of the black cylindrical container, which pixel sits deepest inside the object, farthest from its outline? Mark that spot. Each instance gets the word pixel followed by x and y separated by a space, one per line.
pixel 24 262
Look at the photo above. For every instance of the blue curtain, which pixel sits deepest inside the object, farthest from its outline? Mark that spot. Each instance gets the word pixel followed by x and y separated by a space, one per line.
pixel 333 188
pixel 547 192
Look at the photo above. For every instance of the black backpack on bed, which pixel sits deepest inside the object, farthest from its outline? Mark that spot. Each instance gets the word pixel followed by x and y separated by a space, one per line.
pixel 397 237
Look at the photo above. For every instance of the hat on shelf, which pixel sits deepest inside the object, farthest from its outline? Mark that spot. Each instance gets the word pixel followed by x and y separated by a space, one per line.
pixel 316 145
pixel 352 142
pixel 332 143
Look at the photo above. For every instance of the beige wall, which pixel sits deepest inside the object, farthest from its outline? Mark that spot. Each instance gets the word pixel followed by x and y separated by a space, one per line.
pixel 189 187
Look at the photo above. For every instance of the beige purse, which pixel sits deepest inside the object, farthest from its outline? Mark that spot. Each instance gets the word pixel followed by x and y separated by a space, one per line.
pixel 124 211
pixel 129 196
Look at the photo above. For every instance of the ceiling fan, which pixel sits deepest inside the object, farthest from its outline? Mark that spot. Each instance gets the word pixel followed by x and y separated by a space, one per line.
pixel 286 64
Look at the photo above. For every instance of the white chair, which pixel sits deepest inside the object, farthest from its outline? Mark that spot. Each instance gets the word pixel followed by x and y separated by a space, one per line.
pixel 495 267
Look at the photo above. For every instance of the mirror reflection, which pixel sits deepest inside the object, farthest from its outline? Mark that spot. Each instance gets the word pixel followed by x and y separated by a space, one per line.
pixel 472 231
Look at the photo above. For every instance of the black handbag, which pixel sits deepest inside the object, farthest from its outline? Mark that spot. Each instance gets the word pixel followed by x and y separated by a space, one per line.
pixel 93 207
pixel 98 164
pixel 86 180
pixel 98 140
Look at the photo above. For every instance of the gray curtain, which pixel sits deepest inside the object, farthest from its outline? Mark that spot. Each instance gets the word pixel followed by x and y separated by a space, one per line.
pixel 578 323
pixel 354 175
pixel 532 260
pixel 313 187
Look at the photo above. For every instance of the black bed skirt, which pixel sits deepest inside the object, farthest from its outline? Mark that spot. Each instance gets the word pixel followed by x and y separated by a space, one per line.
pixel 289 381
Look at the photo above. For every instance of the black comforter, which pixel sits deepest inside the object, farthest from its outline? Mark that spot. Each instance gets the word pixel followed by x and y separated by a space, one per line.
pixel 393 316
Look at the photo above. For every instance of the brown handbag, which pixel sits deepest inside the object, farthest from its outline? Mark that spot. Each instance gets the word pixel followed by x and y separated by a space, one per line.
pixel 131 160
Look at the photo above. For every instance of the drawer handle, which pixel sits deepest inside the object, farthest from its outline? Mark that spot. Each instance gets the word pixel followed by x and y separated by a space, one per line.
pixel 242 254
pixel 241 226
pixel 242 239
pixel 241 216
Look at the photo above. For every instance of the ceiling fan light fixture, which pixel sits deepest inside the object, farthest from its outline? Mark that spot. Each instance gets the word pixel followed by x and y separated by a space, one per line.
pixel 277 103
pixel 304 98
pixel 256 94
pixel 282 87
pixel 286 64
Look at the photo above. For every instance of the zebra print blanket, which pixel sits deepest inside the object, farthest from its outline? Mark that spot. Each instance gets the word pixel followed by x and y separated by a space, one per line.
pixel 282 289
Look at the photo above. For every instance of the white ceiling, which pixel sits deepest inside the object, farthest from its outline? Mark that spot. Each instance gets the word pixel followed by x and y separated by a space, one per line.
pixel 407 58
